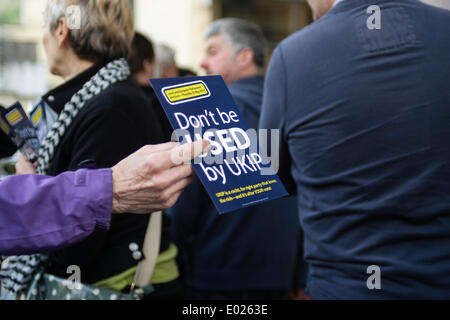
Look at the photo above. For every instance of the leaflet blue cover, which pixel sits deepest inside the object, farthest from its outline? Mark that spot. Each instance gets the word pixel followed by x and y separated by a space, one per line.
pixel 202 107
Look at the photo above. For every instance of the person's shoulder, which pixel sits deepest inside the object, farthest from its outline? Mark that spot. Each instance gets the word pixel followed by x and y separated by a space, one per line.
pixel 309 31
pixel 437 15
pixel 318 34
pixel 432 8
pixel 123 95
pixel 121 103
pixel 123 90
pixel 251 83
pixel 247 89
pixel 300 35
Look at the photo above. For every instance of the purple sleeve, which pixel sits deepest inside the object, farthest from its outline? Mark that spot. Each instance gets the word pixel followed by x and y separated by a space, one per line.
pixel 39 213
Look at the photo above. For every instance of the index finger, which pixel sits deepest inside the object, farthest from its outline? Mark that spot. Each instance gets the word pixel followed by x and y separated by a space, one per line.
pixel 164 146
pixel 183 154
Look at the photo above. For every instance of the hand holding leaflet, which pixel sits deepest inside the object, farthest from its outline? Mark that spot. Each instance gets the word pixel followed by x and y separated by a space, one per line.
pixel 235 173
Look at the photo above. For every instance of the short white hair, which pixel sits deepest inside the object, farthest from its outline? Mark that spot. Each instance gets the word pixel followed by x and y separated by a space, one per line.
pixel 164 57
pixel 240 35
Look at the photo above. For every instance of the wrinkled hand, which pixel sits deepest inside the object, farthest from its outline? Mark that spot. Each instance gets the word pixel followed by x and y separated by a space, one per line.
pixel 153 178
pixel 24 166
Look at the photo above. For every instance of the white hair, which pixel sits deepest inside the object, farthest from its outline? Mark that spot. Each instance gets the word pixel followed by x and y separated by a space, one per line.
pixel 164 57
pixel 99 29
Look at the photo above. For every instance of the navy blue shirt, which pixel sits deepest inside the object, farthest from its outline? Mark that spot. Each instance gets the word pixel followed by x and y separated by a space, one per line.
pixel 365 121
pixel 254 248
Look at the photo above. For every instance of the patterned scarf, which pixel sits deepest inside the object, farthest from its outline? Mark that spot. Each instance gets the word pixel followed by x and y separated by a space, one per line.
pixel 16 277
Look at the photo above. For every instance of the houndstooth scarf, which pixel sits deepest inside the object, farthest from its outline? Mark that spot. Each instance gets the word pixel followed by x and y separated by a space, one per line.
pixel 16 277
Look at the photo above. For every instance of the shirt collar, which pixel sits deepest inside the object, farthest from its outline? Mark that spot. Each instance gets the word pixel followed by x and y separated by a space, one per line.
pixel 58 97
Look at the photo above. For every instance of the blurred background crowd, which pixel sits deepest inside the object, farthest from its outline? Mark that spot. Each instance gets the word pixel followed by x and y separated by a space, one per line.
pixel 178 24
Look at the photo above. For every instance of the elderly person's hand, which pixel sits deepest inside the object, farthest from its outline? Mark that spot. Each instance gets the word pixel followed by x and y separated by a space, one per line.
pixel 153 178
pixel 24 166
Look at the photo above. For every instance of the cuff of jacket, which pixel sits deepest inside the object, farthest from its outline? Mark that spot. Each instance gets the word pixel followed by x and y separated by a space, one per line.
pixel 100 183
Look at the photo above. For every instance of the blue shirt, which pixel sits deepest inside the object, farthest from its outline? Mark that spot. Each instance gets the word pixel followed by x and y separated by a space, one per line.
pixel 364 115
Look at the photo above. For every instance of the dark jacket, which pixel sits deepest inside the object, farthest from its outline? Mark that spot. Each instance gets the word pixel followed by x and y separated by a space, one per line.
pixel 254 248
pixel 7 147
pixel 365 122
pixel 110 127
pixel 159 112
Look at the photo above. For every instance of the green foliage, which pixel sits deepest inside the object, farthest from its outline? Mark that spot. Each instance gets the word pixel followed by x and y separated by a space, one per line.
pixel 9 11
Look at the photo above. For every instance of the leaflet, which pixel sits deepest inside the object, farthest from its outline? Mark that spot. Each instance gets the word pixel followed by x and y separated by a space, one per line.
pixel 235 173
pixel 15 123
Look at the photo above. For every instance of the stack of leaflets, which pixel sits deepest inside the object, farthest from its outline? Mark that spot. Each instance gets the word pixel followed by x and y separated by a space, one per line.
pixel 16 124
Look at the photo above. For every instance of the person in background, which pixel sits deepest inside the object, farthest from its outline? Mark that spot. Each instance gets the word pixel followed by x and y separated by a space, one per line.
pixel 237 50
pixel 100 118
pixel 251 253
pixel 363 105
pixel 166 66
pixel 141 59
pixel 37 212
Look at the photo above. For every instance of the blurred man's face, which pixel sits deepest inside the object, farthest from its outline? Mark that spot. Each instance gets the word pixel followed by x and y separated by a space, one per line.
pixel 220 59
pixel 320 7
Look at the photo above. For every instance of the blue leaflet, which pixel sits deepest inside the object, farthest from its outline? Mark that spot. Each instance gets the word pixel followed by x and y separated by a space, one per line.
pixel 234 173
pixel 15 123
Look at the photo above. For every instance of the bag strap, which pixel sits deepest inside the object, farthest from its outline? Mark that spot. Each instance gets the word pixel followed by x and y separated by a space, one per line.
pixel 150 250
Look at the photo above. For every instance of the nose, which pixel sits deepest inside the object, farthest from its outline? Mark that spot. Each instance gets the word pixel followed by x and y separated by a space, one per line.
pixel 204 65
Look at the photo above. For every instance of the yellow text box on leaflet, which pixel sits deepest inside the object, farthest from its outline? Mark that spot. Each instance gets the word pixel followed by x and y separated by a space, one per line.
pixel 186 92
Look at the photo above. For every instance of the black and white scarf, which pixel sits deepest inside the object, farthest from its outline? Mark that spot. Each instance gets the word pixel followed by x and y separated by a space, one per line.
pixel 16 277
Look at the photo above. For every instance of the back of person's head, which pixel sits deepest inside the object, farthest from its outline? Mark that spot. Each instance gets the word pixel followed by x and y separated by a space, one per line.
pixel 105 29
pixel 166 65
pixel 240 35
pixel 141 50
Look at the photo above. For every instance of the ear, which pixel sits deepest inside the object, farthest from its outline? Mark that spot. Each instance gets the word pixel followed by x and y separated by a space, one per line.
pixel 62 33
pixel 245 58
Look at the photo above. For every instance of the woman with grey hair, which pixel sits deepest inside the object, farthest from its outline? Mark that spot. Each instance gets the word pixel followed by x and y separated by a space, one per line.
pixel 96 118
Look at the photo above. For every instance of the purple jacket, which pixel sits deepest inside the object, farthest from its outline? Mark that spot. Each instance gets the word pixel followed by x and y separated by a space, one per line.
pixel 39 213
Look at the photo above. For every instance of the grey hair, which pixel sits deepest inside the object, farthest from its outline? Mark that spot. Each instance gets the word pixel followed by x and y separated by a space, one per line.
pixel 55 10
pixel 104 29
pixel 164 57
pixel 241 34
